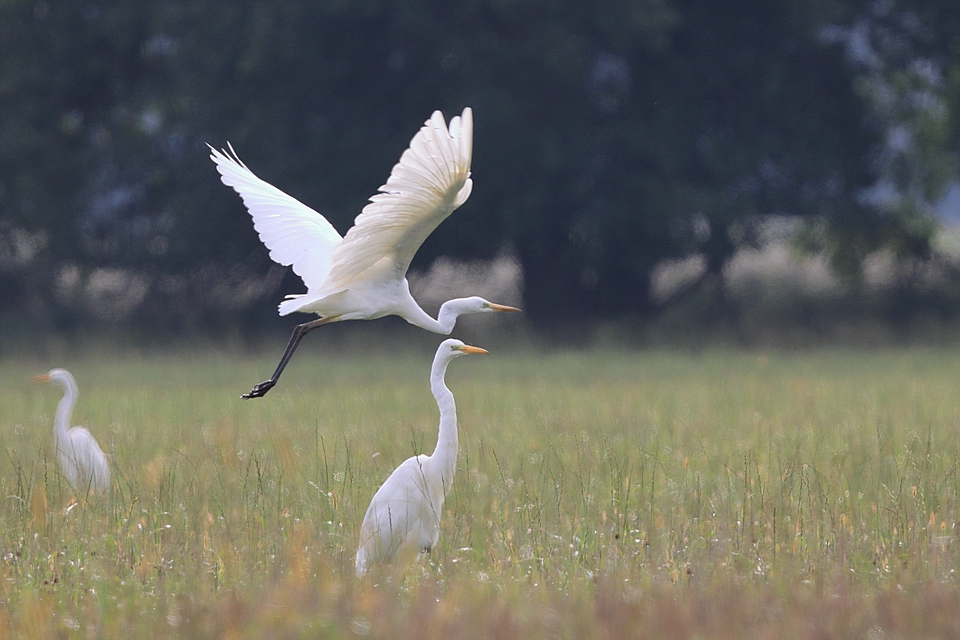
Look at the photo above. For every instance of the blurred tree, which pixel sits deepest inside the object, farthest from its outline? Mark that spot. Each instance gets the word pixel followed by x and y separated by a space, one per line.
pixel 901 56
pixel 609 136
pixel 741 112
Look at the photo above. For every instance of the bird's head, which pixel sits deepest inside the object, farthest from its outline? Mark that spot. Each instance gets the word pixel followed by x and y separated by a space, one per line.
pixel 60 376
pixel 476 304
pixel 454 348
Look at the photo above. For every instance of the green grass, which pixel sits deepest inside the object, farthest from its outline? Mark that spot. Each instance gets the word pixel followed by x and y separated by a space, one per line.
pixel 598 494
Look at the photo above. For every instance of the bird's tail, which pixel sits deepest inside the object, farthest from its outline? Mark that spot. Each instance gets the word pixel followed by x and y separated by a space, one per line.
pixel 324 304
pixel 292 304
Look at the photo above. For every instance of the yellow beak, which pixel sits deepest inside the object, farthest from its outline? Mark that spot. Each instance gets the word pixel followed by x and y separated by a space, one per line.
pixel 468 349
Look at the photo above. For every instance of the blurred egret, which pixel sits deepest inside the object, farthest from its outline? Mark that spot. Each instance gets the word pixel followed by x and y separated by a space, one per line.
pixel 81 458
pixel 404 514
pixel 362 276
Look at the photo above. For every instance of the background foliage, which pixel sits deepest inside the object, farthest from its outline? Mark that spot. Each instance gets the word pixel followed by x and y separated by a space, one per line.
pixel 609 137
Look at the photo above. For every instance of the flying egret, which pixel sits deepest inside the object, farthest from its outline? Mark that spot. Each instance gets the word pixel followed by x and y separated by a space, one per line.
pixel 362 276
pixel 405 512
pixel 80 457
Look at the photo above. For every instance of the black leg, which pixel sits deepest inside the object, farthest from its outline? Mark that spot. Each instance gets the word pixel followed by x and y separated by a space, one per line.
pixel 301 330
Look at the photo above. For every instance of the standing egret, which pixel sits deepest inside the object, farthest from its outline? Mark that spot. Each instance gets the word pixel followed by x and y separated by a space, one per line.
pixel 362 276
pixel 80 457
pixel 405 512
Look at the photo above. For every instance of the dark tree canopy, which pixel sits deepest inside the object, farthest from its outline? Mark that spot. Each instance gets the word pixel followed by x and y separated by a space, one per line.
pixel 609 135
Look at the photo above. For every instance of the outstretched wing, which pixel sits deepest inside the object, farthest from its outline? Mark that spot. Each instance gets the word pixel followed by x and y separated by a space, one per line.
pixel 294 233
pixel 430 181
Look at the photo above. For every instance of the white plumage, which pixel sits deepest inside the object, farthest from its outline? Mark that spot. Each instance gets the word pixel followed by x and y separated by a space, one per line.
pixel 404 515
pixel 362 276
pixel 294 233
pixel 81 458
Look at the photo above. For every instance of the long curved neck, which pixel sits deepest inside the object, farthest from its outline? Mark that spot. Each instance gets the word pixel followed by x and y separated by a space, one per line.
pixel 445 455
pixel 418 317
pixel 446 319
pixel 61 422
pixel 411 312
pixel 449 312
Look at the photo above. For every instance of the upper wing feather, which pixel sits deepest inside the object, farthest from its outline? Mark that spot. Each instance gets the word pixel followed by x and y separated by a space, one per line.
pixel 294 233
pixel 430 181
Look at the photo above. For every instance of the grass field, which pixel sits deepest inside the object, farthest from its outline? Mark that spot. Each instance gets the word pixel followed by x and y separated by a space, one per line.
pixel 599 494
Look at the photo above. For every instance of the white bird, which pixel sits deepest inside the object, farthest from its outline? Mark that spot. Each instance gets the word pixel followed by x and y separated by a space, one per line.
pixel 81 458
pixel 404 514
pixel 362 276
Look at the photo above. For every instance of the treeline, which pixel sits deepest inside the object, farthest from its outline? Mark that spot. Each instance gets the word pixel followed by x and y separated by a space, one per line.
pixel 610 136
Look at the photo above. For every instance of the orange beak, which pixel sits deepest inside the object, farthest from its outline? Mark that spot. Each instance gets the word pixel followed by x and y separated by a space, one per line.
pixel 502 307
pixel 468 349
pixel 40 379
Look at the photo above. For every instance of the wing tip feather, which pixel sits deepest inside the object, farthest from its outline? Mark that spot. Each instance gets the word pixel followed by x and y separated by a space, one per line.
pixel 228 155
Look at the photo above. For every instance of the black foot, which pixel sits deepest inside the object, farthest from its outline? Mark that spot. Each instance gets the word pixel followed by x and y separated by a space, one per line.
pixel 259 390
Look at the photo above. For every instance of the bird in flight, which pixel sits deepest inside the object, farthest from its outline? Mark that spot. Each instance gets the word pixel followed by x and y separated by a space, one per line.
pixel 362 276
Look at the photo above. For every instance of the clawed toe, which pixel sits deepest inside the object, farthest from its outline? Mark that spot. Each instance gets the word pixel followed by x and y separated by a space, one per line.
pixel 259 390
